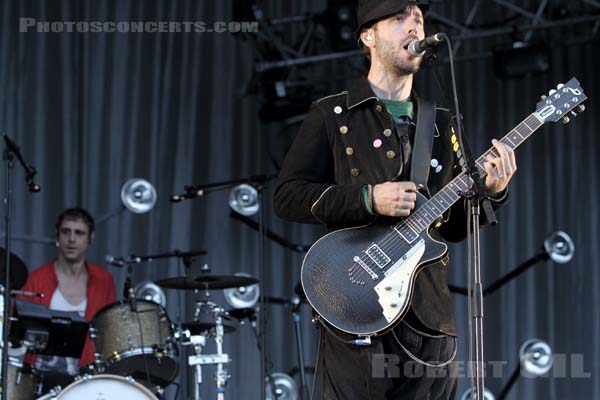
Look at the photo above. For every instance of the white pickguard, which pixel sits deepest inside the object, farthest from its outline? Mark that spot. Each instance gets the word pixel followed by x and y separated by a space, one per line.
pixel 393 289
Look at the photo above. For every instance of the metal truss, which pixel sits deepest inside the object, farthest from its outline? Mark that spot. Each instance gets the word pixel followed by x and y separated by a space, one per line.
pixel 291 58
pixel 525 23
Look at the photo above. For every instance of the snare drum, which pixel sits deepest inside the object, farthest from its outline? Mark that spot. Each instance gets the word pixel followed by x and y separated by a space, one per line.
pixel 23 382
pixel 105 387
pixel 134 338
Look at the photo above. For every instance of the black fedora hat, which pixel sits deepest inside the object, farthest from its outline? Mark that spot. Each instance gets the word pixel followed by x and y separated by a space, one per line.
pixel 371 11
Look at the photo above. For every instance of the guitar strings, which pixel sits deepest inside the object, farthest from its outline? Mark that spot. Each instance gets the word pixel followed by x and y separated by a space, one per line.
pixel 392 236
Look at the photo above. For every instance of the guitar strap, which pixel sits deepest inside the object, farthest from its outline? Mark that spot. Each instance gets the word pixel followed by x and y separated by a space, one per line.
pixel 423 146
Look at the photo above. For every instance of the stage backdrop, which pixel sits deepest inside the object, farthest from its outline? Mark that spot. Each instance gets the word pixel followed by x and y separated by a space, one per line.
pixel 92 110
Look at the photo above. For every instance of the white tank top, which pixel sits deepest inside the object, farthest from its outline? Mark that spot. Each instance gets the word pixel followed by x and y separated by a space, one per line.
pixel 54 363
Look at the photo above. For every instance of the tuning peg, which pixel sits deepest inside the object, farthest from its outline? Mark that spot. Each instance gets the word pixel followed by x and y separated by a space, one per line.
pixel 574 114
pixel 544 97
pixel 566 120
pixel 552 92
pixel 581 108
pixel 560 86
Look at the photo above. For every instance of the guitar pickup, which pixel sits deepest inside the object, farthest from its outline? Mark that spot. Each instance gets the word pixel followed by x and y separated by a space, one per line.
pixel 378 256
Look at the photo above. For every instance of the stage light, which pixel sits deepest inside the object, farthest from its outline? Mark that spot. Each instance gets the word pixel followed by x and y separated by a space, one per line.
pixel 243 199
pixel 138 195
pixel 521 61
pixel 283 386
pixel 560 247
pixel 557 246
pixel 242 297
pixel 536 358
pixel 150 291
pixel 339 21
pixel 487 395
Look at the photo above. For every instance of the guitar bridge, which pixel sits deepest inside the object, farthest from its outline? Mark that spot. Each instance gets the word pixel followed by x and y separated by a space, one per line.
pixel 366 268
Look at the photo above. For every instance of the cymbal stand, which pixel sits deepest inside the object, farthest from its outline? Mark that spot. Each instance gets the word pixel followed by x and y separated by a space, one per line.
pixel 198 359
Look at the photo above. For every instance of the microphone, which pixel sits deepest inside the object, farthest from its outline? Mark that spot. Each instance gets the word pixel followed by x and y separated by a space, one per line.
pixel 115 261
pixel 191 193
pixel 418 47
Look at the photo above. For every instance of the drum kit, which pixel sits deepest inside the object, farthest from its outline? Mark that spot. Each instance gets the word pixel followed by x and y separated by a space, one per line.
pixel 137 345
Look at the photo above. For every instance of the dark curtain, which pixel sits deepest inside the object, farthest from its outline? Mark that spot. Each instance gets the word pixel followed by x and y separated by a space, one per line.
pixel 91 111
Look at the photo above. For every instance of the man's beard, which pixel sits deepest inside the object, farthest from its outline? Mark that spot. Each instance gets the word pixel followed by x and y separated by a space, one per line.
pixel 390 54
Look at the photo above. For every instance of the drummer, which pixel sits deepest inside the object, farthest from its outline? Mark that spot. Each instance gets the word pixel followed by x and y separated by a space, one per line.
pixel 70 283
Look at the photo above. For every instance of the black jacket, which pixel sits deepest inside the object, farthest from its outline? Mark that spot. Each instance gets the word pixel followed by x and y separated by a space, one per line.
pixel 335 153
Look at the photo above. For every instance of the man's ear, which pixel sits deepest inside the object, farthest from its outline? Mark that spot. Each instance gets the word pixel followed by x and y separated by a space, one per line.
pixel 91 237
pixel 367 37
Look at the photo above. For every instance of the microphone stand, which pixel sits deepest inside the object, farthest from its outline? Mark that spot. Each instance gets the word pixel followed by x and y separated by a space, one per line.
pixel 477 197
pixel 187 257
pixel 193 191
pixel 10 152
pixel 296 314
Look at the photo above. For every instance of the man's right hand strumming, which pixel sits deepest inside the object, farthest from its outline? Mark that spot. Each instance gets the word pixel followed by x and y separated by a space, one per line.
pixel 394 199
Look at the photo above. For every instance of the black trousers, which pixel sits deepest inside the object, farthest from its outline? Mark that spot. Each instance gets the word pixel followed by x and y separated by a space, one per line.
pixel 410 362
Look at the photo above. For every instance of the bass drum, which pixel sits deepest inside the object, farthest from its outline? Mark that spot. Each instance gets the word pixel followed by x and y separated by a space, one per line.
pixel 103 387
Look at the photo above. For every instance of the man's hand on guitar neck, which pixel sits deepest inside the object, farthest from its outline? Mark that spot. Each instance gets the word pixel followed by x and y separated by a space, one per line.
pixel 394 199
pixel 499 169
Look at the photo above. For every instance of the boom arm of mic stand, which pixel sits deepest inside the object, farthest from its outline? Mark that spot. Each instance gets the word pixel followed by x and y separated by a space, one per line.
pixel 133 259
pixel 270 234
pixel 193 191
pixel 30 171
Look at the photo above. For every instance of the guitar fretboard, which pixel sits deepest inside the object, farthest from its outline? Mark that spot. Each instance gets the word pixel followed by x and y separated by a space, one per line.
pixel 425 215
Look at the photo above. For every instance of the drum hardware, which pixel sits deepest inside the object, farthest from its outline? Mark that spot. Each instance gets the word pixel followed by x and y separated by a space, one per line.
pixel 23 382
pixel 249 205
pixel 18 271
pixel 206 282
pixel 240 314
pixel 198 342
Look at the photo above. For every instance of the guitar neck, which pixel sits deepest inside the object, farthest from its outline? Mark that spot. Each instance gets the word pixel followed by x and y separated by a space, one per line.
pixel 421 219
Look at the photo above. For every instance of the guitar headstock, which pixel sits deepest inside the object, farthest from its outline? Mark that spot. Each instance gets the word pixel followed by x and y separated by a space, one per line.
pixel 561 103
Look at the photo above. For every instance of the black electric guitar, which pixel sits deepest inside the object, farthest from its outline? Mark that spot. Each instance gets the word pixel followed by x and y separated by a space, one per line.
pixel 361 280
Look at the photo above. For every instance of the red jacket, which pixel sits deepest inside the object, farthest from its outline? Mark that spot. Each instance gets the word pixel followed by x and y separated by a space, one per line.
pixel 100 292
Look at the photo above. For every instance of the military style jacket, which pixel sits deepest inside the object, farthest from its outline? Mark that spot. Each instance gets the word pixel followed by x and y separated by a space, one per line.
pixel 348 140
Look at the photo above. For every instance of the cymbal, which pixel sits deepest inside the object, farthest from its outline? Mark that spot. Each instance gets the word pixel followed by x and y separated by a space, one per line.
pixel 206 282
pixel 200 327
pixel 18 270
pixel 242 313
